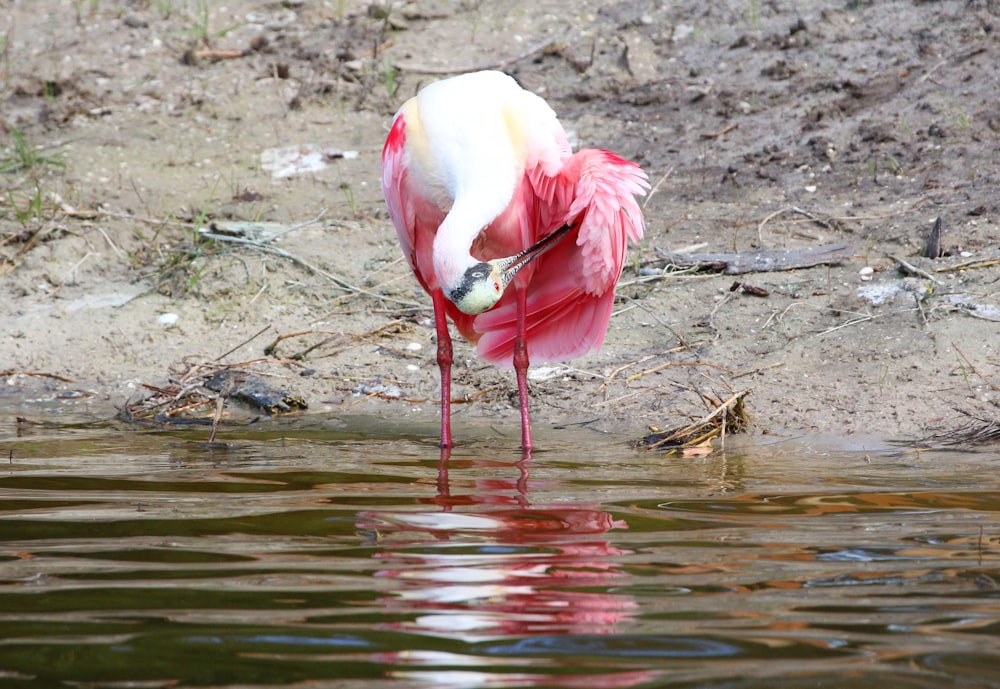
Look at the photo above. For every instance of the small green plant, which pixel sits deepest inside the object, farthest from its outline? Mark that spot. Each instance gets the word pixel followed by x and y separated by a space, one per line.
pixel 24 198
pixel 165 8
pixel 78 6
pixel 31 209
pixel 349 196
pixel 201 218
pixel 955 110
pixel 895 167
pixel 4 64
pixel 195 276
pixel 199 20
pixel 753 15
pixel 23 157
pixel 883 377
pixel 964 372
pixel 389 78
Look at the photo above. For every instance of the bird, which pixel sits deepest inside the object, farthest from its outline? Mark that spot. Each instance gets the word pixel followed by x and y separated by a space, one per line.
pixel 518 240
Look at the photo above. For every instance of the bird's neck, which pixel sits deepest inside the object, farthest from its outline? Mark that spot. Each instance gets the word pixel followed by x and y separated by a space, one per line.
pixel 453 242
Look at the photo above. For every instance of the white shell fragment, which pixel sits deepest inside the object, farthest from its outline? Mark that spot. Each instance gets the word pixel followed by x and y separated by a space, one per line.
pixel 168 320
pixel 292 160
pixel 297 160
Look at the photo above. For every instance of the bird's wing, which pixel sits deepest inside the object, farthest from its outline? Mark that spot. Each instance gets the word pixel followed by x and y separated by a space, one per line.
pixel 394 187
pixel 604 204
pixel 571 291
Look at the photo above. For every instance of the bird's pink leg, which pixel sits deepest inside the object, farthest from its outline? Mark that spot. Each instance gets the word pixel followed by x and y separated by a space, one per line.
pixel 521 368
pixel 444 359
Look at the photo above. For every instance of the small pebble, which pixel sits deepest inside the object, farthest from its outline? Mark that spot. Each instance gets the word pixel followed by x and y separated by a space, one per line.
pixel 168 320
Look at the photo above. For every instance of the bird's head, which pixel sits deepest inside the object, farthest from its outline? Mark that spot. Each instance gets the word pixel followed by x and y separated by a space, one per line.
pixel 480 287
pixel 482 284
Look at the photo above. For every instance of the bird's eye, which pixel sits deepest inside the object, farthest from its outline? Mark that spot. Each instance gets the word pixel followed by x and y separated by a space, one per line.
pixel 496 286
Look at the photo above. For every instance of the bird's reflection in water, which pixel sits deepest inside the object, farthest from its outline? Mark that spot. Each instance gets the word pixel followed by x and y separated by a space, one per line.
pixel 489 564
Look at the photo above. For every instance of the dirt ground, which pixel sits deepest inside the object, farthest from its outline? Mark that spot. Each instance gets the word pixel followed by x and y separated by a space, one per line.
pixel 130 126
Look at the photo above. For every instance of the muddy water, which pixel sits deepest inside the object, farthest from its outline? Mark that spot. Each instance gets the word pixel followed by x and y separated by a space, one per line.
pixel 335 554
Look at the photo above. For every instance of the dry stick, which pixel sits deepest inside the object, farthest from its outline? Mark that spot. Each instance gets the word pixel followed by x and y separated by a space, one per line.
pixel 465 399
pixel 978 262
pixel 781 314
pixel 756 370
pixel 724 130
pixel 636 393
pixel 702 421
pixel 253 362
pixel 393 350
pixel 920 309
pixel 655 317
pixel 333 335
pixel 656 186
pixel 219 54
pixel 974 369
pixel 914 270
pixel 269 350
pixel 828 223
pixel 668 364
pixel 186 407
pixel 339 281
pixel 830 220
pixel 643 360
pixel 580 371
pixel 263 288
pixel 118 252
pixel 763 260
pixel 621 368
pixel 298 226
pixel 768 218
pixel 40 374
pixel 957 57
pixel 688 272
pixel 303 353
pixel 246 341
pixel 624 309
pixel 711 316
pixel 502 64
pixel 388 265
pixel 220 403
pixel 853 321
pixel 790 209
pixel 87 214
pixel 343 298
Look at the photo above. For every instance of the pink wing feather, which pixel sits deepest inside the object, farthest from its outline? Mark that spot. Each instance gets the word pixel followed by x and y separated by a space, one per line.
pixel 571 289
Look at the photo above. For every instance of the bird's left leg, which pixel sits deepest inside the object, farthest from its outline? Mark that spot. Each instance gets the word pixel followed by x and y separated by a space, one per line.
pixel 444 360
pixel 521 366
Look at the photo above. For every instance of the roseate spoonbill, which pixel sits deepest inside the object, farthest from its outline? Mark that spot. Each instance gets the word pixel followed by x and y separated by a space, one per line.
pixel 486 194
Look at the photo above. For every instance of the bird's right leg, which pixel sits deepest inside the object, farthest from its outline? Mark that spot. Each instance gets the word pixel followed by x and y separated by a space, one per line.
pixel 444 359
pixel 521 369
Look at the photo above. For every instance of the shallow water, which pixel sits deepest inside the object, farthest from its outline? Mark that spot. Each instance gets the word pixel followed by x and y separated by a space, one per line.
pixel 335 553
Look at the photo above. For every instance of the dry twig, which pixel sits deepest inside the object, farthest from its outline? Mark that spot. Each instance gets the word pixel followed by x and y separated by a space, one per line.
pixel 728 416
pixel 530 51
